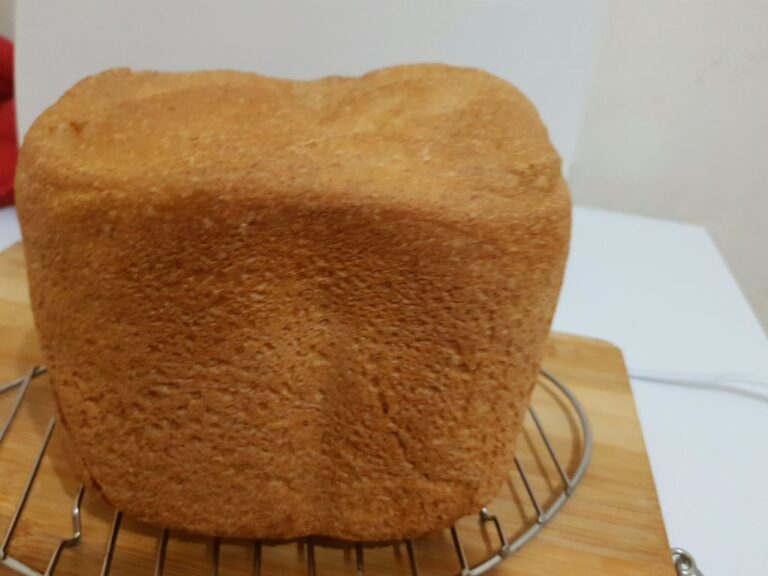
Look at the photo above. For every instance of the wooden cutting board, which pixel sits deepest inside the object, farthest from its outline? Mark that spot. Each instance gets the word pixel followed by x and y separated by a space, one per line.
pixel 612 525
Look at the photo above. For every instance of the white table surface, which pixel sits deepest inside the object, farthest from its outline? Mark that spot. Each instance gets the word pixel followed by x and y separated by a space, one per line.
pixel 661 291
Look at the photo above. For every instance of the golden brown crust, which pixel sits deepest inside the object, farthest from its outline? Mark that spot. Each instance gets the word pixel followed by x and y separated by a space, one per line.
pixel 275 308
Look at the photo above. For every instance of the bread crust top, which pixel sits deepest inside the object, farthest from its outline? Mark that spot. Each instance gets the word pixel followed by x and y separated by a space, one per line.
pixel 425 136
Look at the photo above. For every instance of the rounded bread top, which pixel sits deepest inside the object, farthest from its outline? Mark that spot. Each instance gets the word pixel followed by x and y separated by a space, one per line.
pixel 419 134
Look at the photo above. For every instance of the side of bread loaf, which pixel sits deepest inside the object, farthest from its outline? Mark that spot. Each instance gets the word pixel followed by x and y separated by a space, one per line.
pixel 273 309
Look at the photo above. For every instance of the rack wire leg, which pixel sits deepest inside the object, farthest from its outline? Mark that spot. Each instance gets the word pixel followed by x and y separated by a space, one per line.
pixel 161 553
pixel 27 489
pixel 74 540
pixel 17 403
pixel 110 552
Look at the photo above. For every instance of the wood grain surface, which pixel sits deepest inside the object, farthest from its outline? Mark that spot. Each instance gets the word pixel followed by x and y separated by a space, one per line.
pixel 612 525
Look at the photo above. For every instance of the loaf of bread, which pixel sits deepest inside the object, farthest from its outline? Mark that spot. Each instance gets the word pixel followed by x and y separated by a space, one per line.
pixel 277 308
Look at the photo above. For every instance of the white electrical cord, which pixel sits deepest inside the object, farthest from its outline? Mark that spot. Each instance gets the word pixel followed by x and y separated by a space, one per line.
pixel 685 565
pixel 700 379
pixel 746 385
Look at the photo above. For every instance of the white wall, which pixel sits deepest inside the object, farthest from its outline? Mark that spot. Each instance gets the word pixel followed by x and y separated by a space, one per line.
pixel 545 46
pixel 6 18
pixel 677 124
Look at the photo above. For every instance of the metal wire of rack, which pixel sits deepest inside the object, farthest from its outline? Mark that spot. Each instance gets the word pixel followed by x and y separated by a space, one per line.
pixel 506 547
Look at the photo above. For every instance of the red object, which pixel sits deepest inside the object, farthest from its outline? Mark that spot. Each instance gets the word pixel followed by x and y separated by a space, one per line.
pixel 9 149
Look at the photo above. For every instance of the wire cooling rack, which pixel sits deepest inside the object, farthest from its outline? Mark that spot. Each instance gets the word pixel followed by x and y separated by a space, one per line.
pixel 545 507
